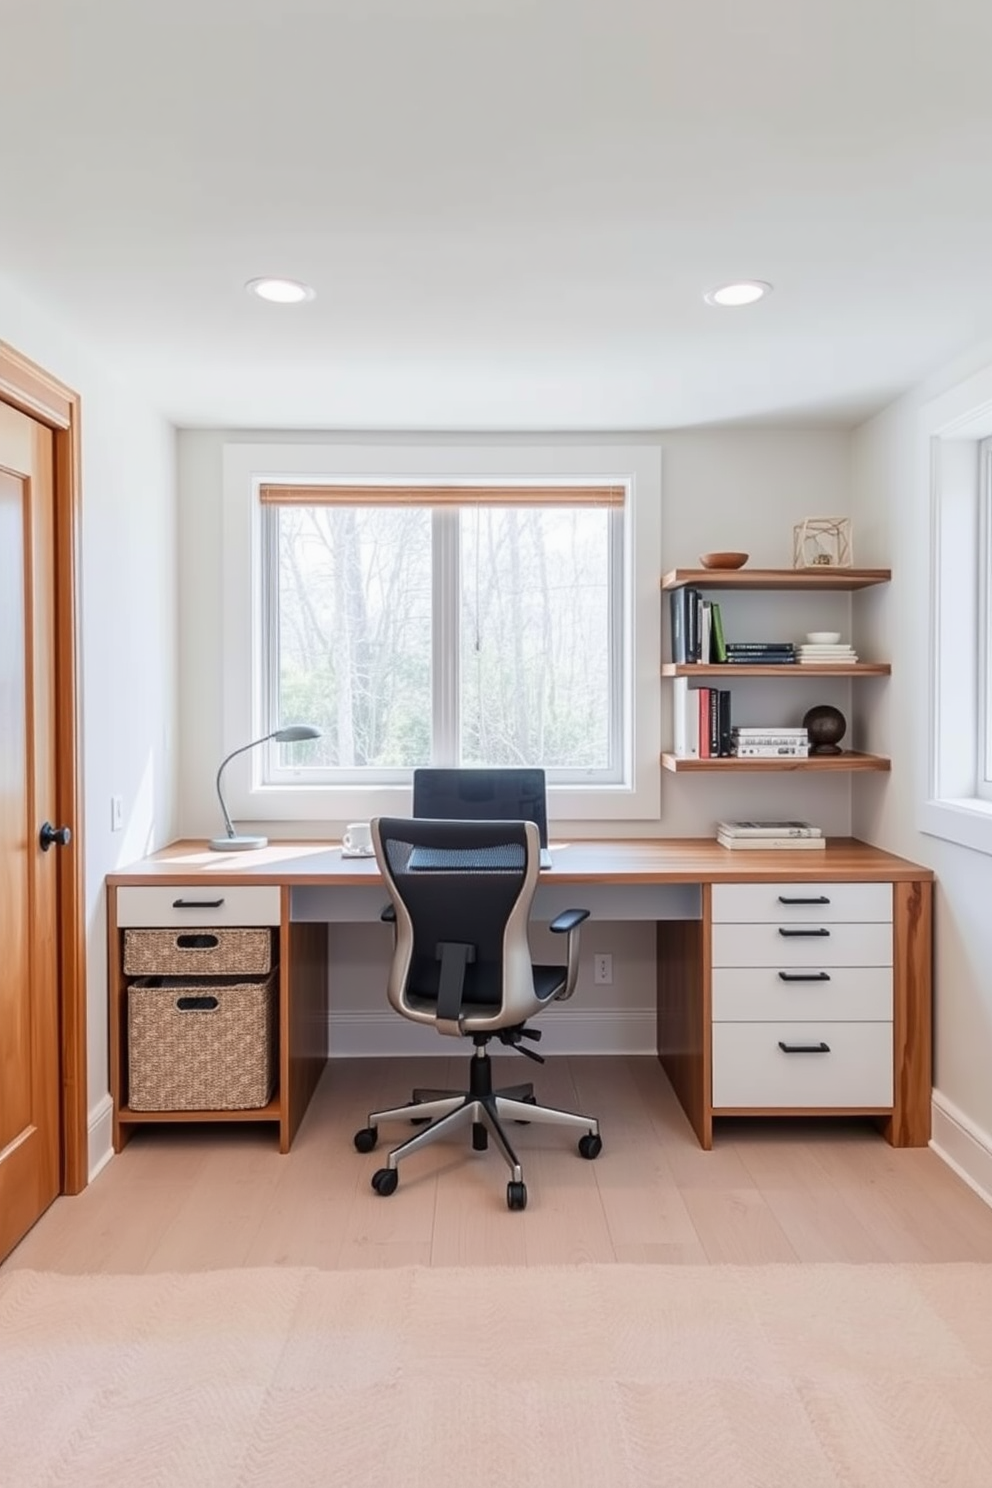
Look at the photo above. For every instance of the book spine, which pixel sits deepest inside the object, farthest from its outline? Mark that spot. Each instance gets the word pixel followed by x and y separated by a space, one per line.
pixel 756 833
pixel 703 700
pixel 725 731
pixel 678 602
pixel 714 722
pixel 692 625
pixel 719 642
pixel 772 751
pixel 759 844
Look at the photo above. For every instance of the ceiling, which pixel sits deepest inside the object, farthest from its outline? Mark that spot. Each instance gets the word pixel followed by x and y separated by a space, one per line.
pixel 509 209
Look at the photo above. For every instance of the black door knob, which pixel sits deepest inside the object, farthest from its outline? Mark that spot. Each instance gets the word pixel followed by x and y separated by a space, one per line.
pixel 61 836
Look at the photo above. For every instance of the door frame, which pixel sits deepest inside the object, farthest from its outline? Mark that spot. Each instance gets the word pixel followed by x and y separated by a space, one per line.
pixel 33 391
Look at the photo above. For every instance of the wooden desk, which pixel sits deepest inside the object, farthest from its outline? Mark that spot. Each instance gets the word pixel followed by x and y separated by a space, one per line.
pixel 686 968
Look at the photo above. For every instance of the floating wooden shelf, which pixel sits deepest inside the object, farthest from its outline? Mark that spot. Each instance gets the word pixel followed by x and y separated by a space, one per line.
pixel 776 578
pixel 851 759
pixel 726 670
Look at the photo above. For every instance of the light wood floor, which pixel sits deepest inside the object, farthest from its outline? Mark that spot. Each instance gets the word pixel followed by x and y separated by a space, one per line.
pixel 195 1198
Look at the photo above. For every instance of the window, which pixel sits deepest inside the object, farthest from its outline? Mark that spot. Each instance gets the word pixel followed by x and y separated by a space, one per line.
pixel 445 625
pixel 957 805
pixel 494 647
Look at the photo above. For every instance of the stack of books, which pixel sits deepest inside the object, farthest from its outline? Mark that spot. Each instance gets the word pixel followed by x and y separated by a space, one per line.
pixel 764 835
pixel 820 655
pixel 761 653
pixel 770 743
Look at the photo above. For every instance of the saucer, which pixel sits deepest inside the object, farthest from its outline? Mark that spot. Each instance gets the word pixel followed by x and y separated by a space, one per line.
pixel 357 852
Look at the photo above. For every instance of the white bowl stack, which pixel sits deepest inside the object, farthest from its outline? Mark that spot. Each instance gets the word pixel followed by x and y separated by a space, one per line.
pixel 825 648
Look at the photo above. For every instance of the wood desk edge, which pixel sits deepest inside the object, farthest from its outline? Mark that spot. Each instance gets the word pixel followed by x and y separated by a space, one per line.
pixel 662 860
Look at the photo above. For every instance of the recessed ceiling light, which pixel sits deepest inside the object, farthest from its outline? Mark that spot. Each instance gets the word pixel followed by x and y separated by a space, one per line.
pixel 741 292
pixel 280 291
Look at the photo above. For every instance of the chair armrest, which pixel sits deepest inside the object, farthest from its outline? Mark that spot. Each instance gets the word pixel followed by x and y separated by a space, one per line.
pixel 388 915
pixel 567 920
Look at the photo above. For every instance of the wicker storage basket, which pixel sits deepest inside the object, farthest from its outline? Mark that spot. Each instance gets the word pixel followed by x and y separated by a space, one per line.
pixel 179 952
pixel 201 1046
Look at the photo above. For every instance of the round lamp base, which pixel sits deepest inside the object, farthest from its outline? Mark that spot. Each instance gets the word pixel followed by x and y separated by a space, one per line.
pixel 237 844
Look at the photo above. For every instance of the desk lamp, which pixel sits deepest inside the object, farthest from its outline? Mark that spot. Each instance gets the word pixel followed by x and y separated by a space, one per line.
pixel 232 842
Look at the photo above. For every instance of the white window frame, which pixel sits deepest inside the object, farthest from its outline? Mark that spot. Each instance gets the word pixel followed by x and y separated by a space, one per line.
pixel 954 806
pixel 446 662
pixel 246 466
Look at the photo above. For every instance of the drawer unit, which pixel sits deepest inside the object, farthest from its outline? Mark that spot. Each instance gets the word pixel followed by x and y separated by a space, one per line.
pixel 849 994
pixel 828 1064
pixel 802 945
pixel 802 996
pixel 198 904
pixel 815 903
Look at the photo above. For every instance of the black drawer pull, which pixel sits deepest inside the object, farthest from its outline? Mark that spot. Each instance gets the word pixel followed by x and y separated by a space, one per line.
pixel 197 1004
pixel 820 1048
pixel 793 934
pixel 804 976
pixel 197 903
pixel 201 942
pixel 811 899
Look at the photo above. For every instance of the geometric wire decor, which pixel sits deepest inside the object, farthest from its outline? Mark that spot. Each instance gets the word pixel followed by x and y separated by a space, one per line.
pixel 822 542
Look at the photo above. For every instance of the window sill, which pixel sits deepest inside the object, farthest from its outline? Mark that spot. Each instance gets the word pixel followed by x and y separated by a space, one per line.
pixel 966 820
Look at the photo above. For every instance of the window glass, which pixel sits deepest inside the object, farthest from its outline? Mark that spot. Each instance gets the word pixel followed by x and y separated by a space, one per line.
pixel 535 637
pixel 350 649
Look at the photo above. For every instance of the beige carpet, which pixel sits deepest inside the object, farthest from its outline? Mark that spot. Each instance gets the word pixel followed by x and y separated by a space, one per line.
pixel 612 1375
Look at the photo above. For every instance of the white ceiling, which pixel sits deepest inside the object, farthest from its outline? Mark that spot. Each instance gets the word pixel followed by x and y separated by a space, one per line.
pixel 509 208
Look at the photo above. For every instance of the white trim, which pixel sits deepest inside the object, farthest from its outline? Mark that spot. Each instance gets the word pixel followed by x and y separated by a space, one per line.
pixel 379 1035
pixel 949 806
pixel 244 465
pixel 962 1145
pixel 99 1136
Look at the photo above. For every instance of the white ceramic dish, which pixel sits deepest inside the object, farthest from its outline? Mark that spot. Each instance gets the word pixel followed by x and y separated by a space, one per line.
pixel 823 637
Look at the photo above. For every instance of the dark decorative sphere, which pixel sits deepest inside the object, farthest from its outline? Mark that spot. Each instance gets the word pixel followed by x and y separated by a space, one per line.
pixel 826 727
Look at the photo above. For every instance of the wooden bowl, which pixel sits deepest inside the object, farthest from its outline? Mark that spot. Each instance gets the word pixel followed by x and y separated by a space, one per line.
pixel 723 560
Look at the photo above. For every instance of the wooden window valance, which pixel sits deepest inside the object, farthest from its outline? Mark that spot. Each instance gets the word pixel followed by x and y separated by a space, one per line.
pixel 440 495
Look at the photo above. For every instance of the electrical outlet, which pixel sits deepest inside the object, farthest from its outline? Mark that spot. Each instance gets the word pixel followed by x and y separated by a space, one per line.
pixel 116 813
pixel 602 969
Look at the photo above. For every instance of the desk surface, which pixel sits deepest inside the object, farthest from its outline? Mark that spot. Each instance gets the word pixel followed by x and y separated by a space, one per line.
pixel 609 860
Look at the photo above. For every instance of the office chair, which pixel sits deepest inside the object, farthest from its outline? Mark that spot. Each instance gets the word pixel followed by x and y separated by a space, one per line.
pixel 460 895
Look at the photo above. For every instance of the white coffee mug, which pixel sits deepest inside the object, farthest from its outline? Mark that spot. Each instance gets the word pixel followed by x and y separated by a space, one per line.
pixel 357 838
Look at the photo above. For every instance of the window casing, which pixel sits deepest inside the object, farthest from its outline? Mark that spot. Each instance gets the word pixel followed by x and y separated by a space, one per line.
pixel 232 713
pixel 983 783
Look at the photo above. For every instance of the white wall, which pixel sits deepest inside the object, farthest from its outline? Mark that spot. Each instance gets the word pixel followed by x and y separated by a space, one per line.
pixel 741 489
pixel 891 485
pixel 128 642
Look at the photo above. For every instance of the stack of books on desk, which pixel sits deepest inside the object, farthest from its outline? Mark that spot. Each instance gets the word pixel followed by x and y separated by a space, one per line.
pixel 771 742
pixel 764 835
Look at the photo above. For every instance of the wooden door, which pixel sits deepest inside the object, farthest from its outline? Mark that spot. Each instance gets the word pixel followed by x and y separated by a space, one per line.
pixel 29 909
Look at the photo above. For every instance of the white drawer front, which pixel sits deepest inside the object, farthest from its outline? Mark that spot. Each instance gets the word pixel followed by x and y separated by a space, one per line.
pixel 785 902
pixel 198 904
pixel 762 994
pixel 814 946
pixel 750 1070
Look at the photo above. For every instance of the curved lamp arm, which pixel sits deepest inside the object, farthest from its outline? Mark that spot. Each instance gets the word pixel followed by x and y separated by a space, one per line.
pixel 295 734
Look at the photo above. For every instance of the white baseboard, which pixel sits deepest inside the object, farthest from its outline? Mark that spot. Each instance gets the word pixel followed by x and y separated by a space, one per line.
pixel 370 1035
pixel 962 1145
pixel 99 1136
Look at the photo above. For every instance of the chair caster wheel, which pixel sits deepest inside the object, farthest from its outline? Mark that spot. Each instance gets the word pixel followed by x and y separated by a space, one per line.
pixel 516 1195
pixel 591 1145
pixel 384 1181
pixel 366 1139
